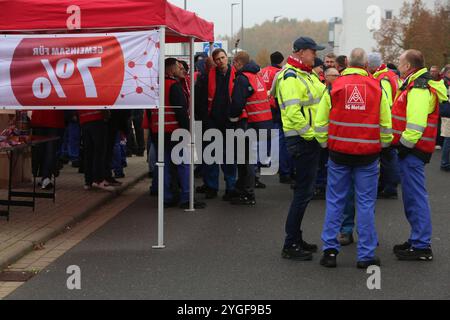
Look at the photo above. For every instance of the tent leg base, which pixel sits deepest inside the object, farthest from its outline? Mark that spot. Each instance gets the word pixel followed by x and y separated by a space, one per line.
pixel 159 247
pixel 189 210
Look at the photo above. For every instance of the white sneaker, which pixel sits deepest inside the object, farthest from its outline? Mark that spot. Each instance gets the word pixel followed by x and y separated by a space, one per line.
pixel 46 184
pixel 87 187
pixel 438 148
pixel 103 186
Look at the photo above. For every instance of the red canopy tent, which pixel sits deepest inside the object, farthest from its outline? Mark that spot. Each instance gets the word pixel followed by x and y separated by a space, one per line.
pixel 101 15
pixel 174 24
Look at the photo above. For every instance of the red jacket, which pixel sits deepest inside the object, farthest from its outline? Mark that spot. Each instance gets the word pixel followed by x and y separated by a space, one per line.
pixel 86 116
pixel 47 119
pixel 355 116
pixel 170 120
pixel 258 106
pixel 268 75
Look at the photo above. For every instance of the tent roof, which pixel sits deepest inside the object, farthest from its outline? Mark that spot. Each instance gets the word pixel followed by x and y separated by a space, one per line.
pixel 104 15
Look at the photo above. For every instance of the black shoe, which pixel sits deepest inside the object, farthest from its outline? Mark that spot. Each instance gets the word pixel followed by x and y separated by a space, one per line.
pixel 329 258
pixel 202 189
pixel 365 264
pixel 387 196
pixel 119 176
pixel 153 193
pixel 244 200
pixel 197 205
pixel 113 182
pixel 296 253
pixel 211 194
pixel 285 180
pixel 308 247
pixel 230 195
pixel 402 247
pixel 259 184
pixel 413 254
pixel 345 239
pixel 293 186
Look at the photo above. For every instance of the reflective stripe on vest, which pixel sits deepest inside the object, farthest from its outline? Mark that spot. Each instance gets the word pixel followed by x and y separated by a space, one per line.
pixel 310 102
pixel 293 133
pixel 257 108
pixel 400 123
pixel 354 126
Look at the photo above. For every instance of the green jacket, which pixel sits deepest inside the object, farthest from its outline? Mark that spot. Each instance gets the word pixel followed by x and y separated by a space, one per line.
pixel 298 94
pixel 323 115
pixel 421 103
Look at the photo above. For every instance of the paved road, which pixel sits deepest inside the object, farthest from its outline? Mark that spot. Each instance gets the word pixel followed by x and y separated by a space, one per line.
pixel 230 252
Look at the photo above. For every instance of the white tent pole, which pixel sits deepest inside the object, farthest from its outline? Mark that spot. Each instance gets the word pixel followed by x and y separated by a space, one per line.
pixel 160 163
pixel 192 113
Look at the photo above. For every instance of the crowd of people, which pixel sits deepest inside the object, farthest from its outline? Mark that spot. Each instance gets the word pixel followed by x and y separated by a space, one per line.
pixel 350 130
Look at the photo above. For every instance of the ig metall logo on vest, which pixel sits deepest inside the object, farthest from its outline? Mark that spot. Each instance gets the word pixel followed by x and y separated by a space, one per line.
pixel 355 97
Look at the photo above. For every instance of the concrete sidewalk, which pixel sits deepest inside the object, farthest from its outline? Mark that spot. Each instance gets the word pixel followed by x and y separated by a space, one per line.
pixel 27 230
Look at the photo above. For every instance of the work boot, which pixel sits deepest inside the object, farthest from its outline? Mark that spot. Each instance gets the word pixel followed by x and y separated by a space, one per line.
pixel 244 200
pixel 295 252
pixel 329 258
pixel 197 205
pixel 365 264
pixel 413 254
pixel 345 239
pixel 259 184
pixel 402 247
pixel 308 247
pixel 230 195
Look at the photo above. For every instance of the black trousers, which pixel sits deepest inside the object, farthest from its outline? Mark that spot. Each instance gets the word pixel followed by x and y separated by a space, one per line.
pixel 135 139
pixel 44 156
pixel 94 149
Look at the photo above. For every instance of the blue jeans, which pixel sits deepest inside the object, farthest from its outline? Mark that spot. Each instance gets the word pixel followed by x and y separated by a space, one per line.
pixel 71 141
pixel 365 185
pixel 117 159
pixel 390 176
pixel 174 176
pixel 305 155
pixel 445 161
pixel 415 201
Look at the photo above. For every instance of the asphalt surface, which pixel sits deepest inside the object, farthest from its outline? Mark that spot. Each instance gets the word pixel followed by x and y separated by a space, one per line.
pixel 228 252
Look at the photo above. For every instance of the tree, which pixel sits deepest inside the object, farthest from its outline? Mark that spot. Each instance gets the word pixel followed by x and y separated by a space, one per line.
pixel 270 36
pixel 263 58
pixel 417 28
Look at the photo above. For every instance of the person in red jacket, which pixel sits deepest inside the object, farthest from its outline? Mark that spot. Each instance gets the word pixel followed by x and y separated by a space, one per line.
pixel 250 108
pixel 94 132
pixel 46 123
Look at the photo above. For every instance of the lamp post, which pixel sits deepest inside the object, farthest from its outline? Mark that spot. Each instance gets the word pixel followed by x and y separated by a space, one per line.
pixel 242 31
pixel 232 19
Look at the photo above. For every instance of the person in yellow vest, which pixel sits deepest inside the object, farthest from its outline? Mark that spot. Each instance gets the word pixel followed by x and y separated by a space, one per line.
pixel 298 94
pixel 415 117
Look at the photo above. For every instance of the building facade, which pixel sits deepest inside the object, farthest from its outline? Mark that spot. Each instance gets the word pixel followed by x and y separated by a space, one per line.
pixel 359 22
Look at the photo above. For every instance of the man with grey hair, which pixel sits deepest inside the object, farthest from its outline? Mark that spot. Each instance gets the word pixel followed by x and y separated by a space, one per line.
pixel 354 122
pixel 390 175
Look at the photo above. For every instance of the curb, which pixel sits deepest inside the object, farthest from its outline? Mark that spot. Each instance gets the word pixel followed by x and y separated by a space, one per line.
pixel 18 250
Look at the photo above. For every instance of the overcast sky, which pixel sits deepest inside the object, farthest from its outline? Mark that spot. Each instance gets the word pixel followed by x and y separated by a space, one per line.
pixel 257 11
